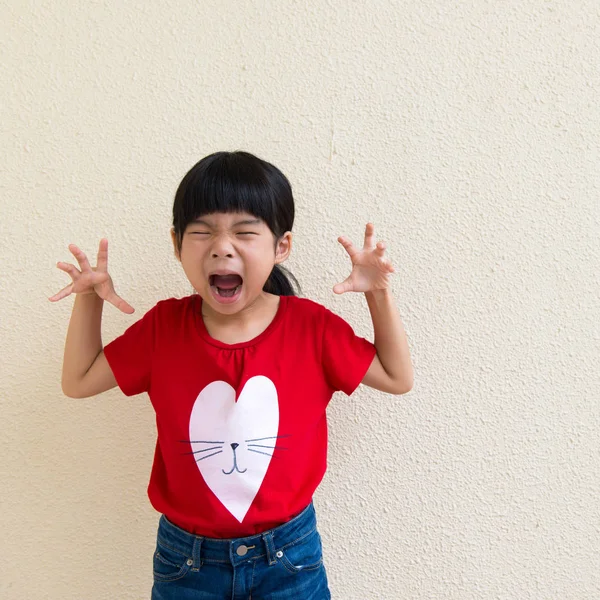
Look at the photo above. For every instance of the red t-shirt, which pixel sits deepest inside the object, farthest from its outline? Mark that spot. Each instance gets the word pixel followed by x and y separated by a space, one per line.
pixel 242 431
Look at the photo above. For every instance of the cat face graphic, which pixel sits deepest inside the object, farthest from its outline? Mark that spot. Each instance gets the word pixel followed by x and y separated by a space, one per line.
pixel 233 437
pixel 234 451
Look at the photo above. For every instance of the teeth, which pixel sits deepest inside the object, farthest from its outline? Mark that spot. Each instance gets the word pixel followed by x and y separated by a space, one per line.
pixel 236 289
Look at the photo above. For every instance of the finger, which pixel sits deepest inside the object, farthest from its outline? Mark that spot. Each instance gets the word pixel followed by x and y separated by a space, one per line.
pixel 350 249
pixel 69 268
pixel 81 258
pixel 62 294
pixel 380 248
pixel 102 261
pixel 369 232
pixel 385 265
pixel 345 286
pixel 123 306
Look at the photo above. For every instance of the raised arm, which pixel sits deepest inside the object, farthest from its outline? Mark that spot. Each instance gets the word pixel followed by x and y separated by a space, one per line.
pixel 391 370
pixel 85 369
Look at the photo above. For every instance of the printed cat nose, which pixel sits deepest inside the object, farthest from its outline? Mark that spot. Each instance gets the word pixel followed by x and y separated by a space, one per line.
pixel 234 445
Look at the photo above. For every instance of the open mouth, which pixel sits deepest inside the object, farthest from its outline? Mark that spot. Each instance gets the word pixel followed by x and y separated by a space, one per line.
pixel 226 286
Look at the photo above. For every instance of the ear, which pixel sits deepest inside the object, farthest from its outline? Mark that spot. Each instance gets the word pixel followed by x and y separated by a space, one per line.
pixel 283 247
pixel 174 239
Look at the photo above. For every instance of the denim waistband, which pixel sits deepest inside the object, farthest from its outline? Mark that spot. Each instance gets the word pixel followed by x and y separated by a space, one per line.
pixel 233 551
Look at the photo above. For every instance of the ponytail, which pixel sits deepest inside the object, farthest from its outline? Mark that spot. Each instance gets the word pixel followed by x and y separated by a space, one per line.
pixel 279 282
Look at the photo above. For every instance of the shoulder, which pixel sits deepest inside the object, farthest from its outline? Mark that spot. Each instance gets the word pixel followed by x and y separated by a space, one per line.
pixel 305 307
pixel 172 306
pixel 314 314
pixel 176 303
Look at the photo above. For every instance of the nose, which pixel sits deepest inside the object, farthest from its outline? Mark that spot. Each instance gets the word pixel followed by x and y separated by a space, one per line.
pixel 222 247
pixel 234 445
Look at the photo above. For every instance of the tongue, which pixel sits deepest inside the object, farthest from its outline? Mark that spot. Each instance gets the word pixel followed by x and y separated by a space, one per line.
pixel 227 282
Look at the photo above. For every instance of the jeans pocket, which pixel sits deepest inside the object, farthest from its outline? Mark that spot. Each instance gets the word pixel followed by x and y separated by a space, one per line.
pixel 170 564
pixel 305 554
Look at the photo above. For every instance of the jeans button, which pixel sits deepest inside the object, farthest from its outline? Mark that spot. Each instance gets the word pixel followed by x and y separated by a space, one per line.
pixel 189 562
pixel 242 550
pixel 279 554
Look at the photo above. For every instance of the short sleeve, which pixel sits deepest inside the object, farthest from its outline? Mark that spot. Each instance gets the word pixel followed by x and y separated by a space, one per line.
pixel 346 357
pixel 130 355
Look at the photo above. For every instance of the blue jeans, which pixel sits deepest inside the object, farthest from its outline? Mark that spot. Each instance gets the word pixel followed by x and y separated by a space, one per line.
pixel 284 563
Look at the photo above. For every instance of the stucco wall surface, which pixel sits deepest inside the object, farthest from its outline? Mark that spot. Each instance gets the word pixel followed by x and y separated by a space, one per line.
pixel 467 131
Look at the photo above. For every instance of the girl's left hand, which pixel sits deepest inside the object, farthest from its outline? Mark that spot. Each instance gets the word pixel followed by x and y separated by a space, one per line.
pixel 370 268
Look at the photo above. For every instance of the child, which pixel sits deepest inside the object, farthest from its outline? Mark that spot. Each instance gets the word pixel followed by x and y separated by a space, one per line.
pixel 239 375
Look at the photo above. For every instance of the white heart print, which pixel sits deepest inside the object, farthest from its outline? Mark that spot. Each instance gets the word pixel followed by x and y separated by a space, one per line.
pixel 232 442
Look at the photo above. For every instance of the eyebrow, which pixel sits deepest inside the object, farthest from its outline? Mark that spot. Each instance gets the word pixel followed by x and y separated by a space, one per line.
pixel 244 222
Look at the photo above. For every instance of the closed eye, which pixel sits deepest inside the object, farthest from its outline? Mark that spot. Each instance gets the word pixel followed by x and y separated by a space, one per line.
pixel 239 233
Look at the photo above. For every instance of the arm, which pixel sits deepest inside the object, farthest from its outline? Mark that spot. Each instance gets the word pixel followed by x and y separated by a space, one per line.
pixel 85 369
pixel 391 370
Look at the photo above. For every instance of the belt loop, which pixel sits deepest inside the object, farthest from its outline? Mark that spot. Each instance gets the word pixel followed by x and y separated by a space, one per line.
pixel 196 555
pixel 270 546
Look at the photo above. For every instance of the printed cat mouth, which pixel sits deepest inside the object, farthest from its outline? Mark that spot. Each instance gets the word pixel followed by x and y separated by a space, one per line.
pixel 235 467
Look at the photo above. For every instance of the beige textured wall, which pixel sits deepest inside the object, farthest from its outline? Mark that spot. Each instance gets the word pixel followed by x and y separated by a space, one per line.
pixel 468 131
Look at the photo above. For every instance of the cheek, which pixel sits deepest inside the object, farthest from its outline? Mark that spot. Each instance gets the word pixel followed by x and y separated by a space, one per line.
pixel 192 264
pixel 192 252
pixel 259 260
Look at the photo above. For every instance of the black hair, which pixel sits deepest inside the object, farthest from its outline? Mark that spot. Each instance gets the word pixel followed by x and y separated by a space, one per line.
pixel 238 182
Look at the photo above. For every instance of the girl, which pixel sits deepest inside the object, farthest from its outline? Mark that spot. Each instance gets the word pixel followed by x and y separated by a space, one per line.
pixel 239 374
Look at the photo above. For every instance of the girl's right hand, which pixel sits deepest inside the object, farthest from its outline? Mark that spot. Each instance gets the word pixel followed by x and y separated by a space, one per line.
pixel 91 280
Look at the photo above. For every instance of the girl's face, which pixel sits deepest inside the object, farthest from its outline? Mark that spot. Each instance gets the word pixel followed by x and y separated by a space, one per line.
pixel 227 257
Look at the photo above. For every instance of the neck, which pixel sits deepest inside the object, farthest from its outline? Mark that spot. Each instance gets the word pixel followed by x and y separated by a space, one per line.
pixel 246 317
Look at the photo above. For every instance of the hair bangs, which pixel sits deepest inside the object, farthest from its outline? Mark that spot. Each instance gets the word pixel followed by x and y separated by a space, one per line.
pixel 225 186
